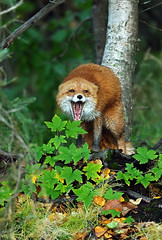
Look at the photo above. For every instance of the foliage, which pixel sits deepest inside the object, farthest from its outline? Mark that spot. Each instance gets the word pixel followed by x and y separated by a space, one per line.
pixel 16 123
pixel 65 171
pixel 132 173
pixel 147 87
pixel 61 180
pixel 5 192
pixel 58 45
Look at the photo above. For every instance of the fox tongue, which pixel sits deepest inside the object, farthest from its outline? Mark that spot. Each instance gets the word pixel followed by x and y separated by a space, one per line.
pixel 77 110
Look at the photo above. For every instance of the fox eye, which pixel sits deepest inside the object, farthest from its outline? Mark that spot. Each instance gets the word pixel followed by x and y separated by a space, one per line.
pixel 85 91
pixel 71 90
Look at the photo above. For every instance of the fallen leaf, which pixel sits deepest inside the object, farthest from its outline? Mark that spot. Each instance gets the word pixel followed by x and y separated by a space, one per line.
pixel 80 236
pixel 107 235
pixel 127 207
pixel 99 231
pixel 121 199
pixel 123 236
pixel 119 219
pixel 98 161
pixel 135 202
pixel 99 201
pixel 105 222
pixel 106 173
pixel 113 204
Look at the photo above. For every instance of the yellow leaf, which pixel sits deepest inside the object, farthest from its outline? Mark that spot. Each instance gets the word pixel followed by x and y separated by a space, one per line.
pixel 156 197
pixel 99 200
pixel 121 199
pixel 106 172
pixel 34 178
pixel 58 177
pixel 107 235
pixel 99 231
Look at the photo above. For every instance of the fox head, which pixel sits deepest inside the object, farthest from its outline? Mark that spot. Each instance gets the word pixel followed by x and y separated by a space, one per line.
pixel 78 99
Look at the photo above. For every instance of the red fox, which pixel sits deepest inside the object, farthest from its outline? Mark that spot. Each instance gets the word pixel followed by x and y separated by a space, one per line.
pixel 92 93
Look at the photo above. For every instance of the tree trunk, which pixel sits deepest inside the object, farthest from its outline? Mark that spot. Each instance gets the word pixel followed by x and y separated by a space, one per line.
pixel 99 20
pixel 120 49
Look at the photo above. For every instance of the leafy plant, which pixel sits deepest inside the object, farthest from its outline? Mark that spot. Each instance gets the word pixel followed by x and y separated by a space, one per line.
pixel 64 176
pixel 132 173
pixel 5 192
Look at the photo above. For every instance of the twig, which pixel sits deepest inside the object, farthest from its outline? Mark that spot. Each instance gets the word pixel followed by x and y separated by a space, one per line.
pixel 158 144
pixel 2 119
pixel 92 230
pixel 11 8
pixel 137 195
pixel 33 20
pixel 70 39
pixel 159 29
pixel 149 8
pixel 10 155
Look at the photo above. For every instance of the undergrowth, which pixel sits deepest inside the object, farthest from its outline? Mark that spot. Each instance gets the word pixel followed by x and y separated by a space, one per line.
pixel 64 172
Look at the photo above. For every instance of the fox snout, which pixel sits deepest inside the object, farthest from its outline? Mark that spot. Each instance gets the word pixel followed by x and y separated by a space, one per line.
pixel 78 97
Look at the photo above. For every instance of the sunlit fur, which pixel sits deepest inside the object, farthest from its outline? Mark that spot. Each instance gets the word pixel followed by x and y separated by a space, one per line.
pixel 102 114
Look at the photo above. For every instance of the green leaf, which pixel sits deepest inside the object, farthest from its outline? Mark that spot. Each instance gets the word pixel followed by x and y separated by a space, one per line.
pixel 65 155
pixel 50 160
pixel 57 124
pixel 129 220
pixel 144 155
pixel 134 173
pixel 124 176
pixel 39 152
pixel 158 170
pixel 113 212
pixel 57 141
pixel 146 179
pixel 85 194
pixel 71 154
pixel 47 148
pixel 70 176
pixel 85 151
pixel 5 192
pixel 49 177
pixel 91 170
pixel 61 187
pixel 109 195
pixel 113 225
pixel 47 191
pixel 73 129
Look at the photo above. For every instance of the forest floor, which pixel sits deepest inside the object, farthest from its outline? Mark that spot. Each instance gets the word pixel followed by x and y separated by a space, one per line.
pixel 64 218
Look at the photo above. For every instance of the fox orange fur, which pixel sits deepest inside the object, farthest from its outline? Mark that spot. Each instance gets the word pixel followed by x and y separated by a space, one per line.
pixel 92 93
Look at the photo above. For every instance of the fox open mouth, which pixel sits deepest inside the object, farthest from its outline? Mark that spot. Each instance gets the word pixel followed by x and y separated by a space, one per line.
pixel 77 110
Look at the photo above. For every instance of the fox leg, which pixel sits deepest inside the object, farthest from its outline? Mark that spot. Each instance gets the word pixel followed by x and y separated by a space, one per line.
pixel 114 121
pixel 79 141
pixel 97 133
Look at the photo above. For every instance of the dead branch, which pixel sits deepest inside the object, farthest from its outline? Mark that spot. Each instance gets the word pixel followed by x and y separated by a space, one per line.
pixel 158 144
pixel 11 8
pixel 137 195
pixel 29 23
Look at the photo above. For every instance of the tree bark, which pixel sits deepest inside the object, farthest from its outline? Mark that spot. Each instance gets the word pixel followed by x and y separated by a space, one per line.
pixel 99 20
pixel 120 49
